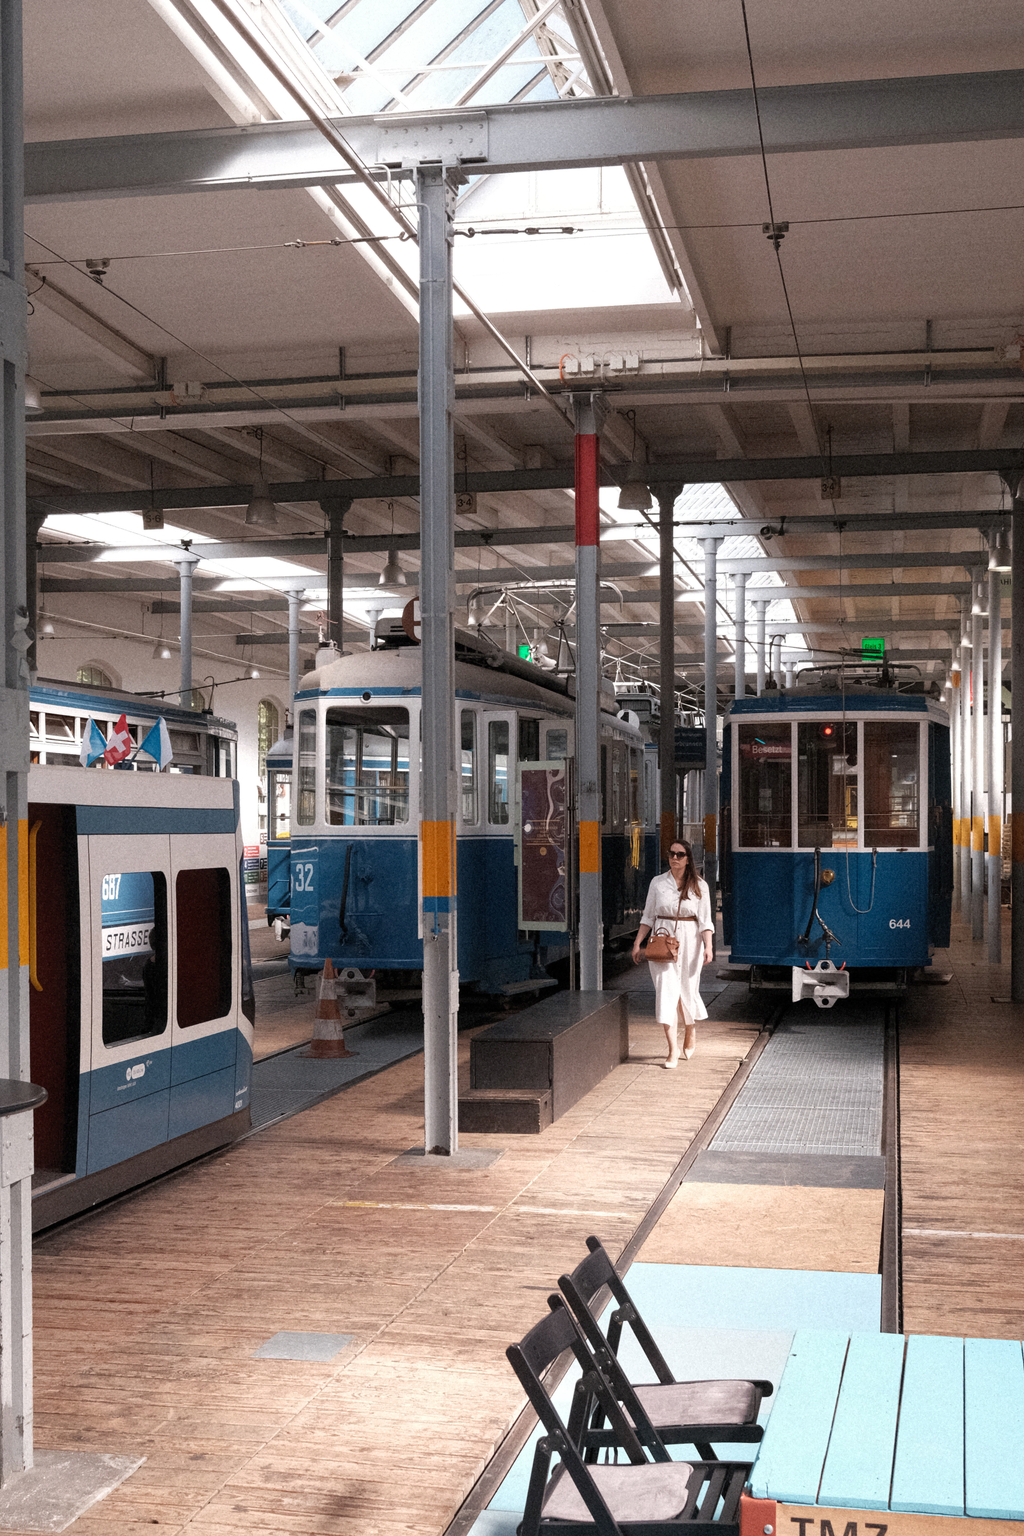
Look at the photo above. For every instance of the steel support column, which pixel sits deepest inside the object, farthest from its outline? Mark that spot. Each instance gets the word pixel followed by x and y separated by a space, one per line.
pixel 436 197
pixel 1017 754
pixel 955 776
pixel 668 778
pixel 978 756
pixel 16 1196
pixel 739 613
pixel 760 605
pixel 588 693
pixel 295 596
pixel 186 564
pixel 711 715
pixel 993 918
pixel 966 759
pixel 334 508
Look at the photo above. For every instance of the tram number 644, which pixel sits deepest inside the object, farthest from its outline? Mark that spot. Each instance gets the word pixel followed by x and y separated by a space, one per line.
pixel 899 922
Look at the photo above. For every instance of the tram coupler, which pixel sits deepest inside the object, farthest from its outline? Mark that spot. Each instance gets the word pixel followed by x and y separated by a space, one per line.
pixel 824 982
pixel 356 993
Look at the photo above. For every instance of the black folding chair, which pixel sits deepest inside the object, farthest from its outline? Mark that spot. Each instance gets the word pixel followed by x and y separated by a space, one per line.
pixel 681 1412
pixel 637 1498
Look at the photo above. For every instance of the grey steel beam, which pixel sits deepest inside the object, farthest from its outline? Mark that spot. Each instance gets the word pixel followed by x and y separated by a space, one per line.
pixel 710 796
pixel 588 701
pixel 667 495
pixel 945 461
pixel 1017 751
pixel 994 727
pixel 529 136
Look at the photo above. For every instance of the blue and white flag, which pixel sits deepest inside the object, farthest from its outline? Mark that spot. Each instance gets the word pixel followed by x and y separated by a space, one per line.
pixel 158 743
pixel 93 745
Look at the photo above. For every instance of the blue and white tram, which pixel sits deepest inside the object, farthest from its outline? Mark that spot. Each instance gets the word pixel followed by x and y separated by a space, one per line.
pixel 141 1005
pixel 836 841
pixel 60 712
pixel 354 847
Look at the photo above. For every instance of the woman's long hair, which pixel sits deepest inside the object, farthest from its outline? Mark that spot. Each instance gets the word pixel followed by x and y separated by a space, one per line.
pixel 691 882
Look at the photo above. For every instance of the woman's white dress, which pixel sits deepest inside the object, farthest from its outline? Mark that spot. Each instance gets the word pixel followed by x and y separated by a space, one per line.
pixel 677 982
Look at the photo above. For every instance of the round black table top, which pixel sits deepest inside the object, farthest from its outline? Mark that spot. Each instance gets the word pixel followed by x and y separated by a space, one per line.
pixel 16 1096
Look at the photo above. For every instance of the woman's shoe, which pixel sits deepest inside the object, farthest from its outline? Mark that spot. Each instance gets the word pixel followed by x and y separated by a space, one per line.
pixel 670 1064
pixel 689 1042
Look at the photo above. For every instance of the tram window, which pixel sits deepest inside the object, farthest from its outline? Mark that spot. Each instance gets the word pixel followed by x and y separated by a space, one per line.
pixel 827 810
pixel 766 780
pixel 279 801
pixel 497 773
pixel 305 800
pixel 367 766
pixel 891 787
pixel 557 745
pixel 133 955
pixel 529 741
pixel 634 785
pixel 60 727
pixel 618 775
pixel 203 911
pixel 468 768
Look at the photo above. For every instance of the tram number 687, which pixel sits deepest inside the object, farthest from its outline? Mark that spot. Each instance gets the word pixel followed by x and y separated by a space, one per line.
pixel 899 922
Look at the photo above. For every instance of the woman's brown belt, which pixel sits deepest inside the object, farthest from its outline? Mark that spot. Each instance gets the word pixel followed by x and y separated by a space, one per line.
pixel 684 917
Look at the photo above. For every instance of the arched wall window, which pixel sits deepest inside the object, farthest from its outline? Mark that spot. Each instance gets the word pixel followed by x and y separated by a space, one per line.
pixel 268 730
pixel 95 676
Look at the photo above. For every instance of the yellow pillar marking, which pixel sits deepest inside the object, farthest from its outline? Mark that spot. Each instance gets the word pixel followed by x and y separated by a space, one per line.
pixel 710 836
pixel 590 847
pixel 1017 837
pixel 438 838
pixel 978 830
pixel 995 835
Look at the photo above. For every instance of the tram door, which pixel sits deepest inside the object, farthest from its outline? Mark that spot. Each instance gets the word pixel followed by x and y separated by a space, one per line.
pixel 54 988
pixel 126 1064
pixel 205 980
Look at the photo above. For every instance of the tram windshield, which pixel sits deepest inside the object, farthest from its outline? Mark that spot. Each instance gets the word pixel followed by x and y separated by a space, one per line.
pixel 891 788
pixel 367 758
pixel 827 811
pixel 766 776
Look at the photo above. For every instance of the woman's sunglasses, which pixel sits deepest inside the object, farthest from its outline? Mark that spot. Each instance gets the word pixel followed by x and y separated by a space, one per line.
pixel 673 855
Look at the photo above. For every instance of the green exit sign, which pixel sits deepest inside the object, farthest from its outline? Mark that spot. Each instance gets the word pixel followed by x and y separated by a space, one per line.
pixel 872 645
pixel 524 653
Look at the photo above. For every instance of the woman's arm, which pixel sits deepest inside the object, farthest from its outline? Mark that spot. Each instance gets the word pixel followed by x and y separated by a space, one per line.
pixel 706 923
pixel 641 934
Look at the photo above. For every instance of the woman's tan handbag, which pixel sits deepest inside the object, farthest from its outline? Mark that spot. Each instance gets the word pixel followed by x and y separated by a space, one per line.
pixel 664 946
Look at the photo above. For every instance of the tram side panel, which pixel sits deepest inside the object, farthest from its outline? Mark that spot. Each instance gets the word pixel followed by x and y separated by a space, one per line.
pixel 140 1029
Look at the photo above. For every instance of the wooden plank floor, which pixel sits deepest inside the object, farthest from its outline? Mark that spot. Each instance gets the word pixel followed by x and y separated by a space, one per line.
pixel 962 1110
pixel 147 1315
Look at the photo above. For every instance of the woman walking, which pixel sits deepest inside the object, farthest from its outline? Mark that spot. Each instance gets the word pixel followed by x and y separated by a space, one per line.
pixel 679 906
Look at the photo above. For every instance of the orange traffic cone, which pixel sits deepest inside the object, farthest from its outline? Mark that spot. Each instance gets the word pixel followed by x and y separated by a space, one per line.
pixel 328 1031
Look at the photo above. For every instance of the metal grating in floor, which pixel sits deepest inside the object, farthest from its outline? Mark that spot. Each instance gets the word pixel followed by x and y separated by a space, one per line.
pixel 816 1089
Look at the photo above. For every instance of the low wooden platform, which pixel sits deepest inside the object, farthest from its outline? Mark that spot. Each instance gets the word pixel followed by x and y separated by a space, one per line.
pixel 526 1071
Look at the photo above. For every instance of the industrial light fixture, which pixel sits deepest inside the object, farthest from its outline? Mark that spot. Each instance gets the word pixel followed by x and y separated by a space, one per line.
pixel 999 550
pixel 392 575
pixel 252 672
pixel 44 624
pixel 635 495
pixel 33 399
pixel 979 598
pixel 162 651
pixel 261 511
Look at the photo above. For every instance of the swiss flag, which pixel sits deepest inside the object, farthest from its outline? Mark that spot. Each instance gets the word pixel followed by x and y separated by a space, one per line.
pixel 119 743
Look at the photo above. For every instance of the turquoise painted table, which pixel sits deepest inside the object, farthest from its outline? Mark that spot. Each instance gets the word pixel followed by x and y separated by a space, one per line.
pixel 926 1425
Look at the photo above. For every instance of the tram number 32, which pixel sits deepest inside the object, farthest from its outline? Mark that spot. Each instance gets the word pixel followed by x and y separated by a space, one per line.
pixel 899 922
pixel 303 880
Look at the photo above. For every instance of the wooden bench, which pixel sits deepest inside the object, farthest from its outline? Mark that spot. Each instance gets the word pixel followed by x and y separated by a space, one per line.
pixel 902 1429
pixel 528 1070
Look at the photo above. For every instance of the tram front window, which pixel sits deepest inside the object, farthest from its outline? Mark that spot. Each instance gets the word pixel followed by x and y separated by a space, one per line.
pixel 891 788
pixel 766 777
pixel 367 766
pixel 827 810
pixel 279 802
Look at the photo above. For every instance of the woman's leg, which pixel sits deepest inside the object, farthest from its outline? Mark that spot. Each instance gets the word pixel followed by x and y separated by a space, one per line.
pixel 672 1041
pixel 689 1033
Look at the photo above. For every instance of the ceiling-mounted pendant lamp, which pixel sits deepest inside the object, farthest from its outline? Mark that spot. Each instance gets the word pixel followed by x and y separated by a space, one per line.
pixel 252 672
pixel 635 495
pixel 33 399
pixel 162 651
pixel 392 575
pixel 999 551
pixel 261 511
